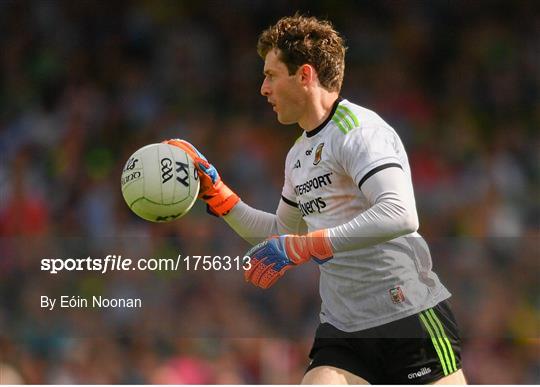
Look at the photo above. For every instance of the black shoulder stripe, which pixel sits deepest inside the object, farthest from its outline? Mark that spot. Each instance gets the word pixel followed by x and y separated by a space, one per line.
pixel 377 169
pixel 289 202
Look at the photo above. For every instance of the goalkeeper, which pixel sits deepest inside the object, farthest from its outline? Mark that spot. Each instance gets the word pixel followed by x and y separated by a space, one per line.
pixel 347 205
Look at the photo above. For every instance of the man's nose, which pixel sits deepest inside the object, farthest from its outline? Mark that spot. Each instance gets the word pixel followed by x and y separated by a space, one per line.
pixel 265 90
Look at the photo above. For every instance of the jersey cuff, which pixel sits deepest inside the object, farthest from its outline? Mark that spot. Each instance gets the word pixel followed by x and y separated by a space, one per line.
pixel 377 169
pixel 289 202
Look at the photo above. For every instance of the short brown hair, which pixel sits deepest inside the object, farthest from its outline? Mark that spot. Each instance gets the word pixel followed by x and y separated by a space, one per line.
pixel 307 40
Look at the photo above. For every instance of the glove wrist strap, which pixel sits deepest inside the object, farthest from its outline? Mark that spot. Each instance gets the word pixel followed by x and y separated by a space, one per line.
pixel 319 245
pixel 223 199
pixel 315 245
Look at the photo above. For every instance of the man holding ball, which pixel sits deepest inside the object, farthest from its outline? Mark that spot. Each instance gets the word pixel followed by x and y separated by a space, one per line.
pixel 347 205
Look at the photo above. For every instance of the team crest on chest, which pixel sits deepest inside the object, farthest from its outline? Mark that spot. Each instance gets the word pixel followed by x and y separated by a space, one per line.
pixel 318 154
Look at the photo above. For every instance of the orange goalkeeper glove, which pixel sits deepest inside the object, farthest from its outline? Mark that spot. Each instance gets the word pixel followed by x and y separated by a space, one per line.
pixel 219 198
pixel 273 257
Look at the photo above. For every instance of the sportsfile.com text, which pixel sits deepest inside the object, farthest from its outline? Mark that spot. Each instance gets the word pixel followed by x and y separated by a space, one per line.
pixel 113 262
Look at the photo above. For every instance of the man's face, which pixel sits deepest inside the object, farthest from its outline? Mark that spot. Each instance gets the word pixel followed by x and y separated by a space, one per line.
pixel 283 91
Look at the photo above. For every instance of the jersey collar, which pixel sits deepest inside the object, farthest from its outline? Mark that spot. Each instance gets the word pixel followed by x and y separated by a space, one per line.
pixel 313 132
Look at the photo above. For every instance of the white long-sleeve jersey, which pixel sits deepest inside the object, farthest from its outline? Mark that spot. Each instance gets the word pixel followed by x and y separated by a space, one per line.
pixel 351 176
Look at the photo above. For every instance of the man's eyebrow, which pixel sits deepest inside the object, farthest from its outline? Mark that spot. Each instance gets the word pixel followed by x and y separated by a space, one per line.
pixel 267 72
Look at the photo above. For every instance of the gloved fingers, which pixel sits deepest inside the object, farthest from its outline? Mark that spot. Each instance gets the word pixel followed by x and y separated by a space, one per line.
pixel 219 198
pixel 257 271
pixel 204 169
pixel 263 275
pixel 197 157
pixel 271 276
pixel 203 164
pixel 194 149
pixel 208 169
pixel 248 274
pixel 188 147
pixel 185 146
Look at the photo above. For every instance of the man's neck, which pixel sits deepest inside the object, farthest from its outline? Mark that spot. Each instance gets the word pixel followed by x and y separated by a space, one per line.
pixel 318 109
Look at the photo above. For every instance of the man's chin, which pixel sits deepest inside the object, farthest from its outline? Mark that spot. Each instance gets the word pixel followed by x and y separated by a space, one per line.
pixel 285 121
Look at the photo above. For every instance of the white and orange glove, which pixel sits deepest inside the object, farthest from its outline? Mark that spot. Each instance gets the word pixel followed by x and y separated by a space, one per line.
pixel 273 257
pixel 219 198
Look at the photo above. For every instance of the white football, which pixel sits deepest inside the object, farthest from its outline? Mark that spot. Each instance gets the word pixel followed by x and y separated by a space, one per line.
pixel 160 183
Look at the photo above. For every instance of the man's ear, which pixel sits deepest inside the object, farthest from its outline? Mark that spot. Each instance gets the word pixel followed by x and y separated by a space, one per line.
pixel 306 74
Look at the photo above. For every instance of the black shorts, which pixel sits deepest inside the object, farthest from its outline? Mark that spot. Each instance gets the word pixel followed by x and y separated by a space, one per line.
pixel 418 349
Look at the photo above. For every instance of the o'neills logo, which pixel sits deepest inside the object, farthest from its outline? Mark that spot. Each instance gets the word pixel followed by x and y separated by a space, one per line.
pixel 422 372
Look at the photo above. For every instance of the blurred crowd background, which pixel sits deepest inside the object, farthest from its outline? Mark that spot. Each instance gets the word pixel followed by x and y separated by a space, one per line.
pixel 83 84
